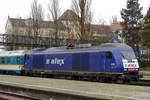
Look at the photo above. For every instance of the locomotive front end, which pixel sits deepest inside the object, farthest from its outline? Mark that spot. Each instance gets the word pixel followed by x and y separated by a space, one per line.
pixel 130 65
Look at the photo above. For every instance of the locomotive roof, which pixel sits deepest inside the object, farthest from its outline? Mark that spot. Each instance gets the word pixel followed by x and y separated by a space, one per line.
pixel 77 49
pixel 102 47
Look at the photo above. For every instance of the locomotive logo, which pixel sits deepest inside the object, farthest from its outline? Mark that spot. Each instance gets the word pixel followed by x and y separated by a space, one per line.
pixel 57 61
pixel 130 64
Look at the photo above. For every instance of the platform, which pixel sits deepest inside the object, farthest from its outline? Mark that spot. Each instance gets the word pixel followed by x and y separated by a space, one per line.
pixel 90 89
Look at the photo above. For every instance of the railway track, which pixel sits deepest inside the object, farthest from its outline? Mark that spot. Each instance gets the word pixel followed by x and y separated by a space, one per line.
pixel 136 83
pixel 13 96
pixel 140 83
pixel 44 90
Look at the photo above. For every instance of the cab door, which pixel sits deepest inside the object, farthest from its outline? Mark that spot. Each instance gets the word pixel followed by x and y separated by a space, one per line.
pixel 108 61
pixel 102 61
pixel 28 62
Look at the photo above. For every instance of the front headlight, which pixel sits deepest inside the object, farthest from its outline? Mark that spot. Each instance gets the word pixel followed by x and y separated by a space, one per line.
pixel 125 69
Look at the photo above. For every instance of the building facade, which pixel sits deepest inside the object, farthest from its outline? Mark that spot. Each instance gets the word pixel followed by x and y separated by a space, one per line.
pixel 68 28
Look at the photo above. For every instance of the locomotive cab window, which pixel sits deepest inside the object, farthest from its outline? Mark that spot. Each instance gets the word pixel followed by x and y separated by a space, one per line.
pixel 128 55
pixel 2 60
pixel 108 55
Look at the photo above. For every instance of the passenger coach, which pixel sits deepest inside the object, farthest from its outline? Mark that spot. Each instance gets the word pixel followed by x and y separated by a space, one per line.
pixel 12 61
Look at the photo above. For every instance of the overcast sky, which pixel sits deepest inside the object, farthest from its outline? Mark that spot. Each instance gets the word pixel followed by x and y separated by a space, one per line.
pixel 102 9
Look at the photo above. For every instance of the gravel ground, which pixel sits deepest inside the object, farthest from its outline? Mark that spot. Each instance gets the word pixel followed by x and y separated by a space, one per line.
pixel 146 75
pixel 92 89
pixel 146 72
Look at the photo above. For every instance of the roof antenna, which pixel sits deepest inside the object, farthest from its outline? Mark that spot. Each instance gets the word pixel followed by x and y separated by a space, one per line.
pixel 70 45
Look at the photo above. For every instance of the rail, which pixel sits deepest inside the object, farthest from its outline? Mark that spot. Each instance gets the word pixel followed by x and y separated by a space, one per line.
pixel 9 92
pixel 140 83
pixel 13 96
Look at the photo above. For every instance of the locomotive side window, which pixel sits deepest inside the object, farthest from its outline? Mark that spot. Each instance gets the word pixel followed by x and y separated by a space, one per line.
pixel 108 55
pixel 18 60
pixel 8 60
pixel 2 60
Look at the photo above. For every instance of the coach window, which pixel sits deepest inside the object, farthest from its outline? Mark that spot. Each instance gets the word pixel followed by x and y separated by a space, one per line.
pixel 2 60
pixel 18 60
pixel 8 60
pixel 108 55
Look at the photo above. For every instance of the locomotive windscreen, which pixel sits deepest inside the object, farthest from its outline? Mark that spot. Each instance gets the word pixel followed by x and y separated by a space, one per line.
pixel 128 55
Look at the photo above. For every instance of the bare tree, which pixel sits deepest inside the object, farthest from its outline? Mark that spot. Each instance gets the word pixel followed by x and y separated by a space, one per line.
pixel 83 9
pixel 54 12
pixel 88 33
pixel 101 22
pixel 72 32
pixel 37 15
pixel 113 19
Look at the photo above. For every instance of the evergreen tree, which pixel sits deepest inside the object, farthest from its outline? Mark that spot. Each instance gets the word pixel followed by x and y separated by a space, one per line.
pixel 145 32
pixel 132 23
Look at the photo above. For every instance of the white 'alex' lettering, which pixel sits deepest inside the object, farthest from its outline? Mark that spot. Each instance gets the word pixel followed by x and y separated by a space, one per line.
pixel 57 61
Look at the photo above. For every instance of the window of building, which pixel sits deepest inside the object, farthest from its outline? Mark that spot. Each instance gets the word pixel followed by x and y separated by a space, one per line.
pixel 21 31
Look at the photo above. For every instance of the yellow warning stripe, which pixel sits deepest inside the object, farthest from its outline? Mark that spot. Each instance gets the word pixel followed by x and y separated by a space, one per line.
pixel 81 72
pixel 11 65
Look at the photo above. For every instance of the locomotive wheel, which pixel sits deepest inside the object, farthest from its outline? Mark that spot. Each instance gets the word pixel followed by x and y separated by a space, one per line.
pixel 75 77
pixel 120 81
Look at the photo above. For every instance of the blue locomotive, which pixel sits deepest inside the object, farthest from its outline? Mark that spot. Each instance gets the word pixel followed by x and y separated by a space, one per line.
pixel 110 61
